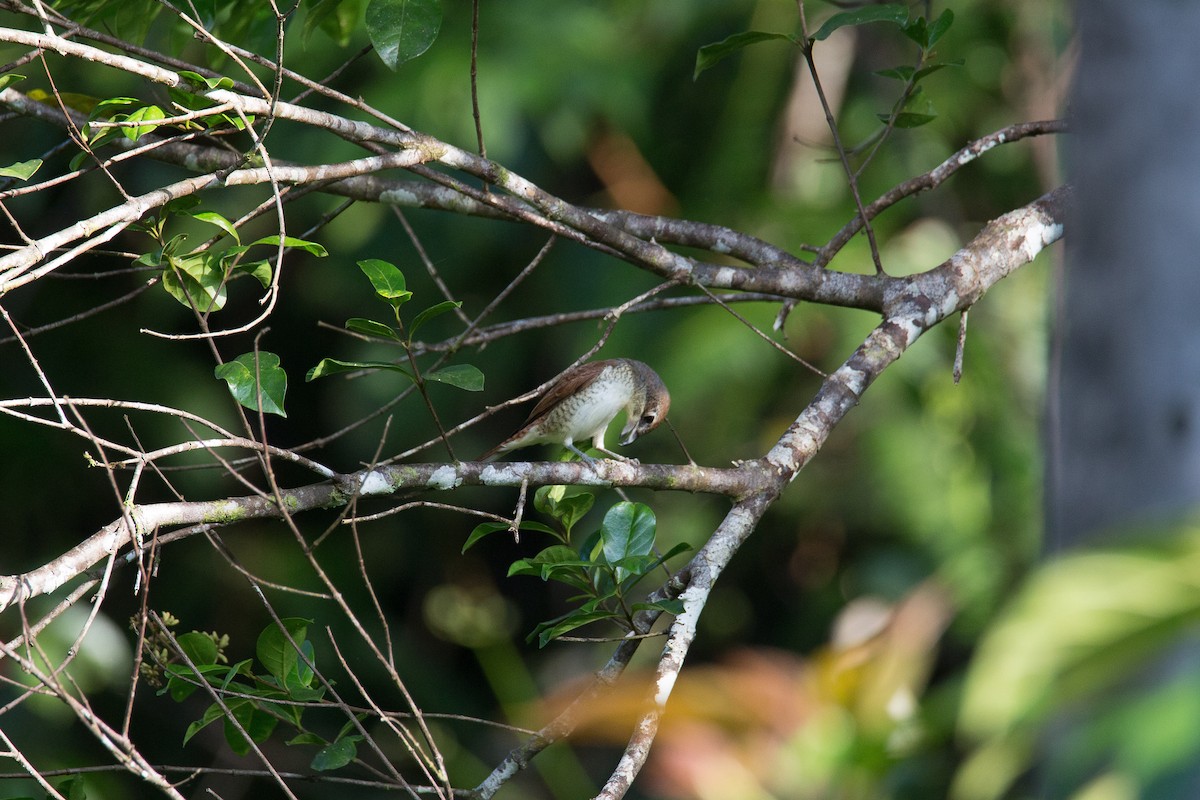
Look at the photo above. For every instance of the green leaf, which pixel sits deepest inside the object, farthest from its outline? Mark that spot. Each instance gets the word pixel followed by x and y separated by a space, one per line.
pixel 211 714
pixel 268 387
pixel 106 108
pixel 213 218
pixel 710 54
pixel 73 789
pixel 627 530
pixel 674 607
pixel 195 280
pixel 548 631
pixel 938 28
pixel 488 528
pixel 9 79
pixel 387 279
pixel 259 270
pixel 901 73
pixel 292 242
pixel 199 647
pixel 401 30
pixel 935 66
pixel 331 16
pixel 182 680
pixel 22 170
pixel 370 327
pixel 555 554
pixel 567 508
pixel 430 313
pixel 557 562
pixel 196 79
pixel 276 653
pixel 337 754
pixel 909 119
pixel 891 12
pixel 333 366
pixel 1078 625
pixel 257 723
pixel 305 738
pixel 147 114
pixel 464 376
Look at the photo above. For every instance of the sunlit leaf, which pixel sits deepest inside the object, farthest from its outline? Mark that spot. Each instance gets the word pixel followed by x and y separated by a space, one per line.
pixel 217 220
pixel 292 242
pixel 387 279
pixel 196 281
pixel 148 115
pixel 195 78
pixel 22 170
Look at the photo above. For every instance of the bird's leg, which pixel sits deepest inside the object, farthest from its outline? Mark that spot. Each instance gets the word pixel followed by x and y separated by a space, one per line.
pixel 591 462
pixel 617 456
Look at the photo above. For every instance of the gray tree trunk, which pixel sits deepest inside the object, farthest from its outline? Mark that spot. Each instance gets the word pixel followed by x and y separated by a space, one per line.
pixel 1123 425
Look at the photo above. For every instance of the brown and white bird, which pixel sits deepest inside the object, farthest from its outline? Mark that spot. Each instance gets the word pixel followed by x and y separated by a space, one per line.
pixel 582 403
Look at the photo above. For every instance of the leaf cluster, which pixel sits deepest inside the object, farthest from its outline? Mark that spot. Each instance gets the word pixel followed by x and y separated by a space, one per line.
pixel 254 701
pixel 924 33
pixel 603 568
pixel 391 287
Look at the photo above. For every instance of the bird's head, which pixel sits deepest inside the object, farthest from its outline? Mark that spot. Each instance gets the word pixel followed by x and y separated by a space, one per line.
pixel 647 407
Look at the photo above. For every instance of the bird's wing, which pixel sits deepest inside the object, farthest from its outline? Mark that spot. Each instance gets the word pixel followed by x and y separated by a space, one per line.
pixel 572 381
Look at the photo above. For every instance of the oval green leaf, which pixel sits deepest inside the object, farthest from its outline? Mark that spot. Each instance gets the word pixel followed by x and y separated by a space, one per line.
pixel 464 376
pixel 240 375
pixel 892 12
pixel 401 30
pixel 710 54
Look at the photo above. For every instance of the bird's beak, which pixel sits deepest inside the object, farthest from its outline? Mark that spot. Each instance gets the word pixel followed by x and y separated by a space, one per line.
pixel 629 434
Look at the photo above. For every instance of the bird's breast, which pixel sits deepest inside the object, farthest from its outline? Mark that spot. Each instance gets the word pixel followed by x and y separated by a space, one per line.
pixel 592 408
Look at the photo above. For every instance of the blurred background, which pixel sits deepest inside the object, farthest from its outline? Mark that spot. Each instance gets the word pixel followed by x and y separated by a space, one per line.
pixel 924 506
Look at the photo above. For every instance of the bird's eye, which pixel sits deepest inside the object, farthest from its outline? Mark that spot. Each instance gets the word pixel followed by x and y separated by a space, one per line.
pixel 648 419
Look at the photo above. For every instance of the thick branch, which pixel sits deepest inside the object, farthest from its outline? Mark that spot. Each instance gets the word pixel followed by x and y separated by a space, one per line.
pixel 366 483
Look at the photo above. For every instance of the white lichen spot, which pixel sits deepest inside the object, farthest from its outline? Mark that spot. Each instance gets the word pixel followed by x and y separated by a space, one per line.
pixel 725 276
pixel 665 684
pixel 444 477
pixel 494 474
pixel 1052 233
pixel 399 197
pixel 375 483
